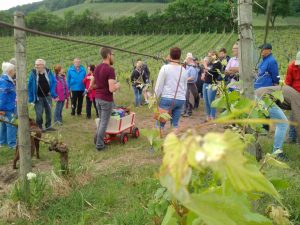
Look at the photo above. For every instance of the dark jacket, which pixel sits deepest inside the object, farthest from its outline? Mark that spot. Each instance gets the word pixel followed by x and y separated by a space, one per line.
pixel 136 77
pixel 213 73
pixel 33 85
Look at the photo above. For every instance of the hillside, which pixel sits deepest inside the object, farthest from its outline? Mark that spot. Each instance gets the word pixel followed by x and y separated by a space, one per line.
pixel 114 10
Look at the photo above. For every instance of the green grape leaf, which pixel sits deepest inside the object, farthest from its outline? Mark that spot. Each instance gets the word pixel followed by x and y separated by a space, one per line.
pixel 280 184
pixel 234 96
pixel 270 160
pixel 278 95
pixel 217 209
pixel 219 102
pixel 170 217
pixel 165 116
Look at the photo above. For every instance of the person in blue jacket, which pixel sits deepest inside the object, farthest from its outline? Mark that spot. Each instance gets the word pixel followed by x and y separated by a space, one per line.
pixel 75 76
pixel 8 132
pixel 268 76
pixel 41 90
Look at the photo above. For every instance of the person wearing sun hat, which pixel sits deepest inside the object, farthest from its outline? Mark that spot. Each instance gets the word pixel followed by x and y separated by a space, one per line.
pixel 268 74
pixel 292 79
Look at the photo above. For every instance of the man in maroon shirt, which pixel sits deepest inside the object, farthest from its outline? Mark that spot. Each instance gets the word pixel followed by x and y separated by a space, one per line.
pixel 105 84
pixel 292 79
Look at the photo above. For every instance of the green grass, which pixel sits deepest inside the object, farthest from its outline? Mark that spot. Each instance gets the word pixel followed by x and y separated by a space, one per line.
pixel 5 153
pixel 123 177
pixel 114 10
pixel 118 197
pixel 260 21
pixel 291 197
pixel 285 44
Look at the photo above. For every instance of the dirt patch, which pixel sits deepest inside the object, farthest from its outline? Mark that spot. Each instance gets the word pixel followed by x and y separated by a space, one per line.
pixel 8 175
pixel 194 122
pixel 133 158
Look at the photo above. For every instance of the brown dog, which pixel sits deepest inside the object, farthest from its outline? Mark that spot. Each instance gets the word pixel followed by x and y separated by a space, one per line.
pixel 35 142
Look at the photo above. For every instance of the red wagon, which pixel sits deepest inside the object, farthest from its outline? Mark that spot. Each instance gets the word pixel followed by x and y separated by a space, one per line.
pixel 121 128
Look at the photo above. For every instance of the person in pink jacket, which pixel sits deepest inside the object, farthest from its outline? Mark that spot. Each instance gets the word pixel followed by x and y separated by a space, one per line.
pixel 90 93
pixel 62 93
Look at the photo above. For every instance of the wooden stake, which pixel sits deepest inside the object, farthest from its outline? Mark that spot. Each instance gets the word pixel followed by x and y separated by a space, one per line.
pixel 22 102
pixel 246 46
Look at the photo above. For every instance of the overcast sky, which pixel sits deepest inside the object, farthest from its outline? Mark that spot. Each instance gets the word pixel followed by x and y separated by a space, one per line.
pixel 6 4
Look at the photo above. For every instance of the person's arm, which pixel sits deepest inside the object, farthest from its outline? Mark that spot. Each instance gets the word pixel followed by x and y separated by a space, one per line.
pixel 30 86
pixel 92 84
pixel 132 76
pixel 289 76
pixel 69 79
pixel 160 82
pixel 53 86
pixel 189 74
pixel 113 85
pixel 85 79
pixel 274 73
pixel 3 98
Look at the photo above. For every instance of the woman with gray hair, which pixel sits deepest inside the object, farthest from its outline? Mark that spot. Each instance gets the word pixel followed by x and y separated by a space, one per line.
pixel 41 90
pixel 8 132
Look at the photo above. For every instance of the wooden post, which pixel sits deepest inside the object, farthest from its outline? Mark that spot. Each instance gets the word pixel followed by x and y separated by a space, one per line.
pixel 269 12
pixel 246 46
pixel 22 103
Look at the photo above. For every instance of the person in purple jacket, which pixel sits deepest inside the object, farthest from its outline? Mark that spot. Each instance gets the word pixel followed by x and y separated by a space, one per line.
pixel 62 92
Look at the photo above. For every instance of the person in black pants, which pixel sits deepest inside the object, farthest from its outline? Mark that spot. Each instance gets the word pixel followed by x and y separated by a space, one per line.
pixel 76 74
pixel 90 93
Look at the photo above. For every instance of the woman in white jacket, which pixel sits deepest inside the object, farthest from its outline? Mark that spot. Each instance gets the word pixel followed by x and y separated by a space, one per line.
pixel 171 86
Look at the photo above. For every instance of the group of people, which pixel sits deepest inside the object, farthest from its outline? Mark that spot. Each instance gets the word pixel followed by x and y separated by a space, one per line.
pixel 178 88
pixel 44 86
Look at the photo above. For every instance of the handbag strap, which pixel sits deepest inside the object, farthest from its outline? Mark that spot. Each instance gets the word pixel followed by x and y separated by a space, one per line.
pixel 178 82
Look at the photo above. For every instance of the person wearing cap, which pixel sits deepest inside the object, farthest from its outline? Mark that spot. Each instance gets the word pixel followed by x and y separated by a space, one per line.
pixel 268 77
pixel 192 92
pixel 268 74
pixel 292 79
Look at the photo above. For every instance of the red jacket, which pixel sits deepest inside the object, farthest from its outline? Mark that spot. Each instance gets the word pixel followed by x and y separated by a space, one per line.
pixel 91 94
pixel 292 77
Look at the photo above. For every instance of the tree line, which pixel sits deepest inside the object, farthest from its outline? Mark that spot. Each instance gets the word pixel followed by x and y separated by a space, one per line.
pixel 180 16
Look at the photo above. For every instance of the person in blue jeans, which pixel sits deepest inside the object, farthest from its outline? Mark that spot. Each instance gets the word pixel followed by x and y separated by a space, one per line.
pixel 8 132
pixel 268 76
pixel 291 102
pixel 210 77
pixel 137 83
pixel 41 90
pixel 171 86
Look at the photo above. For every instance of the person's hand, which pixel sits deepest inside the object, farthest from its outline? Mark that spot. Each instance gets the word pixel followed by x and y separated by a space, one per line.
pixel 118 85
pixel 2 113
pixel 203 76
pixel 89 78
pixel 56 99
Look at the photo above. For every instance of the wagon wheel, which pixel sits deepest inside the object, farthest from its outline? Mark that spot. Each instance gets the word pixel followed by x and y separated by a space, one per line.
pixel 124 138
pixel 135 132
